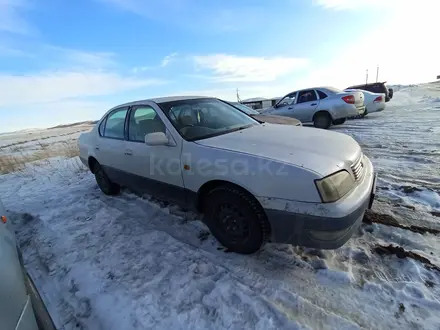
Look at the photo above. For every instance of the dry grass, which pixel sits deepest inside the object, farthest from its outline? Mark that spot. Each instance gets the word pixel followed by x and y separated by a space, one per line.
pixel 16 162
pixel 9 164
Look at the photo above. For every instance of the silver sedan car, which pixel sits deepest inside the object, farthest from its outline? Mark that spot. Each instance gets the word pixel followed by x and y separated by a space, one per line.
pixel 271 119
pixel 323 106
pixel 21 306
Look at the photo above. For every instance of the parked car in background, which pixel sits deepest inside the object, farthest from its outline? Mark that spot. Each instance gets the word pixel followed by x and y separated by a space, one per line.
pixel 374 102
pixel 323 106
pixel 378 87
pixel 254 182
pixel 272 119
pixel 21 307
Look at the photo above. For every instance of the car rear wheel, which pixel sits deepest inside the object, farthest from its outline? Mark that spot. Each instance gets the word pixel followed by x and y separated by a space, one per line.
pixel 322 120
pixel 339 121
pixel 104 183
pixel 236 219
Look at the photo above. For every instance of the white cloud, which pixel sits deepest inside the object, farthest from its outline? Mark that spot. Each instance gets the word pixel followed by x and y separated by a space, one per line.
pixel 57 86
pixel 163 63
pixel 167 59
pixel 65 74
pixel 86 59
pixel 192 15
pixel 231 68
pixel 404 47
pixel 11 19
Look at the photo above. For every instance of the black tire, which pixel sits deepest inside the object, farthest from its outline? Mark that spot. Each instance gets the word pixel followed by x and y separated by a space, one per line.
pixel 339 121
pixel 104 183
pixel 322 120
pixel 236 219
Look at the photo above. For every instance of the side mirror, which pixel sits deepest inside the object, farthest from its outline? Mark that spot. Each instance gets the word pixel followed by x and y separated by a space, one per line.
pixel 156 139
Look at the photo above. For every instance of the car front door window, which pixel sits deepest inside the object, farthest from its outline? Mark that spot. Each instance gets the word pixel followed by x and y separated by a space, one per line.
pixel 288 100
pixel 144 120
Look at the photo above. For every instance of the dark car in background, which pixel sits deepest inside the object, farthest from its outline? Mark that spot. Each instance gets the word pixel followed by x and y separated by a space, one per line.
pixel 377 87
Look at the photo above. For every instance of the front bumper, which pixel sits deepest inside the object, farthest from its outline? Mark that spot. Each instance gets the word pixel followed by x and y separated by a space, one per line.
pixel 320 232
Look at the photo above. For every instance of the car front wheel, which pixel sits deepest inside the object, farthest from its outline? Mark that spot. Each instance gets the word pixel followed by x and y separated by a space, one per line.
pixel 104 183
pixel 236 219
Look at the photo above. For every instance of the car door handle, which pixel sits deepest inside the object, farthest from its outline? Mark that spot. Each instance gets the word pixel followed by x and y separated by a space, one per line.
pixel 128 152
pixel 291 108
pixel 313 104
pixel 97 148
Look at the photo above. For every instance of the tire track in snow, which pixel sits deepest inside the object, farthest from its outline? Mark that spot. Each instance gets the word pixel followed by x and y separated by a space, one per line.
pixel 255 274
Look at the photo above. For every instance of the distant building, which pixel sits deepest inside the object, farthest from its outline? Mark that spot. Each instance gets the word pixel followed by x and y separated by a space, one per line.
pixel 438 77
pixel 259 103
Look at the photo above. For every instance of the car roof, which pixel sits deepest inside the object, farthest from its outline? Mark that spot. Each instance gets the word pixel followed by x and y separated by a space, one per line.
pixel 368 84
pixel 327 88
pixel 159 100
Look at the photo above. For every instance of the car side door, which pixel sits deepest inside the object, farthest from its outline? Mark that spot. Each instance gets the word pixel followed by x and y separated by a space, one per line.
pixel 110 144
pixel 157 169
pixel 306 104
pixel 286 105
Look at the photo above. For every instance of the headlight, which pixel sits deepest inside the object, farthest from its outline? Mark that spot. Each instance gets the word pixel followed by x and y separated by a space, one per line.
pixel 334 186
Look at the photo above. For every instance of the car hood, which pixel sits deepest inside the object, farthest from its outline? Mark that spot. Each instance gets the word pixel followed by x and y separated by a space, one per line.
pixel 321 151
pixel 274 119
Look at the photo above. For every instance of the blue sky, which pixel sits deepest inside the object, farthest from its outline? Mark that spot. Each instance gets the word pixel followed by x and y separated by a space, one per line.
pixel 64 61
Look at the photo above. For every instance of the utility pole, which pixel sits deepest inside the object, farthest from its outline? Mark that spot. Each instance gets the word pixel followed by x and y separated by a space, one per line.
pixel 366 80
pixel 238 97
pixel 377 73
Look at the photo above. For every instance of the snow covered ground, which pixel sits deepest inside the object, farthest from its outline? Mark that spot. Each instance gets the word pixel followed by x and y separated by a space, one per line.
pixel 128 262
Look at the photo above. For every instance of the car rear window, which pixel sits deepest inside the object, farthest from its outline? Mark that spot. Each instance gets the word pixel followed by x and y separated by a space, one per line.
pixel 322 95
pixel 333 89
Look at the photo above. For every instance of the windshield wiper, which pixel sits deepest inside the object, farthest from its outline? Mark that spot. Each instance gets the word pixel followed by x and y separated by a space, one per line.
pixel 242 127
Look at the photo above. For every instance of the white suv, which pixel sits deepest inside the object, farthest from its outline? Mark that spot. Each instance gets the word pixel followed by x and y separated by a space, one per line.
pixel 253 182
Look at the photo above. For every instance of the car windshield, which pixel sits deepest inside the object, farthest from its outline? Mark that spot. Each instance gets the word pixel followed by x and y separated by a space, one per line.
pixel 245 108
pixel 197 119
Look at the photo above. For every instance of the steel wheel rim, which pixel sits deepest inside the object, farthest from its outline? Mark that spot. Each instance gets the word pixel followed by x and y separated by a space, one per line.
pixel 101 179
pixel 232 224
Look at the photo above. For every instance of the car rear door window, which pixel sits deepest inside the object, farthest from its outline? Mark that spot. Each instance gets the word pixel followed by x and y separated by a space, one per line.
pixel 115 123
pixel 144 120
pixel 102 126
